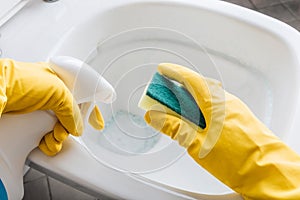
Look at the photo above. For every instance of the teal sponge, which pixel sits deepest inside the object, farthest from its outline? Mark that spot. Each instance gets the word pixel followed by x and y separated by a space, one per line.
pixel 175 97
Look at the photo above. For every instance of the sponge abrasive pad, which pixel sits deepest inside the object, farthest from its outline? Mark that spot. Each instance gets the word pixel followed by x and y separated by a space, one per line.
pixel 174 96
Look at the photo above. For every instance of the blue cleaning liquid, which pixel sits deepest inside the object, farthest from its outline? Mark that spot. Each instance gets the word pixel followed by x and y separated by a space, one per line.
pixel 3 194
pixel 130 133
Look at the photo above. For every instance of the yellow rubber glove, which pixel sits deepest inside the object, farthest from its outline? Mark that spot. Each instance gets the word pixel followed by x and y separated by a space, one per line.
pixel 96 119
pixel 52 142
pixel 235 146
pixel 26 87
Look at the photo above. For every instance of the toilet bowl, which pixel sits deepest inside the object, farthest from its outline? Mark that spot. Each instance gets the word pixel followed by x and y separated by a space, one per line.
pixel 256 57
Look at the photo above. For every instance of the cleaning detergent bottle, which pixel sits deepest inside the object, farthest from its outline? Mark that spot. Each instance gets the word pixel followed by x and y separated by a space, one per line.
pixel 83 81
pixel 20 134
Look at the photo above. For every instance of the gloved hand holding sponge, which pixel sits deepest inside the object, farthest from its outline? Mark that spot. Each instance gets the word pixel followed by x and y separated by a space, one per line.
pixel 234 145
pixel 26 87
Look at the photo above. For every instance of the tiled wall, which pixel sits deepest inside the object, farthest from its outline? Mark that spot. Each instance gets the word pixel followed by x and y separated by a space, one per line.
pixel 39 186
pixel 287 11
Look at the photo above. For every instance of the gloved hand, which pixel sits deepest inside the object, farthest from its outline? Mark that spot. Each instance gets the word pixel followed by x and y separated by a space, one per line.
pixel 26 87
pixel 52 142
pixel 234 146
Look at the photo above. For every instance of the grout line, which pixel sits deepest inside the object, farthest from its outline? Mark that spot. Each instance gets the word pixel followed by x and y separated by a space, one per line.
pixel 266 6
pixel 291 11
pixel 31 180
pixel 285 1
pixel 49 188
pixel 254 6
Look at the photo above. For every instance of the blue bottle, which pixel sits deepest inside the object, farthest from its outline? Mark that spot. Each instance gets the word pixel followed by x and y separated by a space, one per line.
pixel 3 194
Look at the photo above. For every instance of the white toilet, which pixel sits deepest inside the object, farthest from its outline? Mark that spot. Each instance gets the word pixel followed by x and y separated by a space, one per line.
pixel 256 58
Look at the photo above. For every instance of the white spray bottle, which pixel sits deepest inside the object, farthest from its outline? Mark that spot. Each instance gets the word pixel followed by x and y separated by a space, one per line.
pixel 20 134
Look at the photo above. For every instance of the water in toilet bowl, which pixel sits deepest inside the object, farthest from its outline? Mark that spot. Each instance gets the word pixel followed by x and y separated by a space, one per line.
pixel 128 60
pixel 132 140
